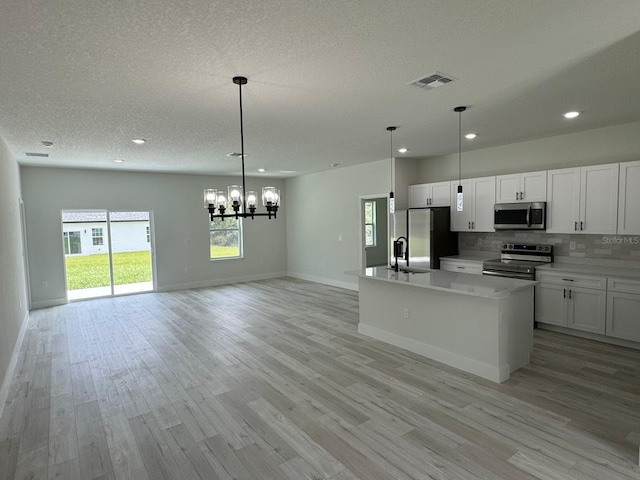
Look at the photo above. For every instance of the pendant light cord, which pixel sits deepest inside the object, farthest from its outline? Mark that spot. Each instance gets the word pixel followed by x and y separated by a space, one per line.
pixel 244 187
pixel 391 130
pixel 460 147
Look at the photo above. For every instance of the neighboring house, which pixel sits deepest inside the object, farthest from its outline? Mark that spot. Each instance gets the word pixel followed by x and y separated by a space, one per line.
pixel 86 233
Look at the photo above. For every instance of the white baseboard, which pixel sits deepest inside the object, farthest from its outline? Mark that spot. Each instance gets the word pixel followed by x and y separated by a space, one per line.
pixel 53 302
pixel 220 281
pixel 325 281
pixel 6 383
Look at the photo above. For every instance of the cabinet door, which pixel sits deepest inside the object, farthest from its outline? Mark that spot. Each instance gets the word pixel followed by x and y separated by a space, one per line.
pixel 418 195
pixel 629 199
pixel 563 200
pixel 508 188
pixel 484 199
pixel 440 194
pixel 587 309
pixel 461 221
pixel 622 316
pixel 599 199
pixel 533 186
pixel 551 304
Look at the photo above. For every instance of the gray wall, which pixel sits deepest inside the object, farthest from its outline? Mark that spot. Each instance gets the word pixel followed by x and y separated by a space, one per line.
pixel 179 218
pixel 320 208
pixel 13 295
pixel 620 143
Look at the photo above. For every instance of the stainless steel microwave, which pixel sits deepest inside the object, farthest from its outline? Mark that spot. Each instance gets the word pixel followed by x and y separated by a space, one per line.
pixel 520 216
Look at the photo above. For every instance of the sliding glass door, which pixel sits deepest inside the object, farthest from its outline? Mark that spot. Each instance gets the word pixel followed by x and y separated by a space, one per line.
pixel 107 253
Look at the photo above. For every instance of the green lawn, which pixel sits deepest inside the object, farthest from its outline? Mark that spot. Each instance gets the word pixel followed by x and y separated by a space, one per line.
pixel 221 252
pixel 93 270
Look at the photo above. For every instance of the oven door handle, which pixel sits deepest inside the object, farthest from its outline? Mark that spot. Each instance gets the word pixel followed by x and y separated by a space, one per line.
pixel 523 276
pixel 529 216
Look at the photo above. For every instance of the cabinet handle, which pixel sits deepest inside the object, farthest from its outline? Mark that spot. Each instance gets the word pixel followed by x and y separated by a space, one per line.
pixel 575 228
pixel 569 294
pixel 517 196
pixel 564 293
pixel 581 226
pixel 461 268
pixel 469 225
pixel 521 195
pixel 568 279
pixel 473 225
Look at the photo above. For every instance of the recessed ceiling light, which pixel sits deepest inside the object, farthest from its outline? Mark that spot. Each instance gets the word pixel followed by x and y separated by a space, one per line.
pixel 261 170
pixel 403 150
pixel 118 160
pixel 470 136
pixel 571 114
pixel 46 143
pixel 138 141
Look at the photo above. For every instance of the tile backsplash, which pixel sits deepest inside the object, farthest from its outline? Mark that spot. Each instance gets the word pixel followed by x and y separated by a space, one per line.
pixel 609 247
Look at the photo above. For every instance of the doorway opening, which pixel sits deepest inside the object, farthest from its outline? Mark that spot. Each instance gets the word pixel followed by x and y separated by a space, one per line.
pixel 107 253
pixel 374 220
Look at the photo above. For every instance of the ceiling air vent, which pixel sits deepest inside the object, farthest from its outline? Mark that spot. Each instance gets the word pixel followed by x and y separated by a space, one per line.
pixel 35 154
pixel 434 80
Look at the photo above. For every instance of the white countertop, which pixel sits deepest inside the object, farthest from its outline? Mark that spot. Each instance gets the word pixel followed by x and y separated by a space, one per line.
pixel 593 269
pixel 452 282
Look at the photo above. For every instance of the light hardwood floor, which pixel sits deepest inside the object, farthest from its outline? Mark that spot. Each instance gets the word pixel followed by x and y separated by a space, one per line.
pixel 270 380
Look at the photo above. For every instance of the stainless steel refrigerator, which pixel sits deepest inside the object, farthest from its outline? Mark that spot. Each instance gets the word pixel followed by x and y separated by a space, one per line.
pixel 429 233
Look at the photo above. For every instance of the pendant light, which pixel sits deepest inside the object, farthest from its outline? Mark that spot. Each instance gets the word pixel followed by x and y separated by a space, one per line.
pixel 392 202
pixel 237 197
pixel 459 199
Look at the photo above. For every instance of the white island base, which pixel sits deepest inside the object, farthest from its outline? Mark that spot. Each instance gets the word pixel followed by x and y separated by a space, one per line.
pixel 484 331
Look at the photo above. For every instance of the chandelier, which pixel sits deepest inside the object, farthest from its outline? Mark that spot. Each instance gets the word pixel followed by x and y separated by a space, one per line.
pixel 236 197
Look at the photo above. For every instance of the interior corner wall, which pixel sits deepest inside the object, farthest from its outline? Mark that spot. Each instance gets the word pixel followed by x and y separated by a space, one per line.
pixel 620 143
pixel 180 226
pixel 13 292
pixel 406 172
pixel 323 221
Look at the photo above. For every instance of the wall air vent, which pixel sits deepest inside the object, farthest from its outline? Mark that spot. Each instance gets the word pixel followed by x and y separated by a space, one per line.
pixel 236 154
pixel 434 80
pixel 35 154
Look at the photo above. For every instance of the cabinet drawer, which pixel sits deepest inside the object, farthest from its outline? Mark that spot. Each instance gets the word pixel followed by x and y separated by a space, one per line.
pixel 461 266
pixel 572 279
pixel 626 285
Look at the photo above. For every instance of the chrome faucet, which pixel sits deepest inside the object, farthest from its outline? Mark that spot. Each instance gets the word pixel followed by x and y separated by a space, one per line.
pixel 400 244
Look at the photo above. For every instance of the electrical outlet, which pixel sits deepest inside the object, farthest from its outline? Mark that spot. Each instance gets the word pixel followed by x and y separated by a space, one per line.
pixel 45 285
pixel 339 238
pixel 572 245
pixel 405 313
pixel 479 241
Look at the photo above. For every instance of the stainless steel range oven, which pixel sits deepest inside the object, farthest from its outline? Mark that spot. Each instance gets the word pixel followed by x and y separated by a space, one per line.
pixel 519 260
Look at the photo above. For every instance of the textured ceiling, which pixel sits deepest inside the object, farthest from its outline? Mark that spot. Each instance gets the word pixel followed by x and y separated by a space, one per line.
pixel 325 78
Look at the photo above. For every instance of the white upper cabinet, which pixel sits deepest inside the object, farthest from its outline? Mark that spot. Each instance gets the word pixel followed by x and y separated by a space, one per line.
pixel 430 195
pixel 583 200
pixel 629 199
pixel 521 187
pixel 479 196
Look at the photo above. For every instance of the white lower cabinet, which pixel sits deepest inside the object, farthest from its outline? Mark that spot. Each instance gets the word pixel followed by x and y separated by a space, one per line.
pixel 473 267
pixel 567 300
pixel 623 309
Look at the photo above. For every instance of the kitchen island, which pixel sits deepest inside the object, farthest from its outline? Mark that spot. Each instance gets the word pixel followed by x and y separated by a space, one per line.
pixel 480 324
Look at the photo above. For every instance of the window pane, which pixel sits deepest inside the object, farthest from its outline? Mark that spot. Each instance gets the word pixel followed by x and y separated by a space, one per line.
pixel 368 232
pixel 225 238
pixel 368 212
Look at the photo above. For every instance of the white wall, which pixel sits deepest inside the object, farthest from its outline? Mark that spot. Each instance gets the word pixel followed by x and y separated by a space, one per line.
pixel 13 295
pixel 180 224
pixel 320 208
pixel 620 143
